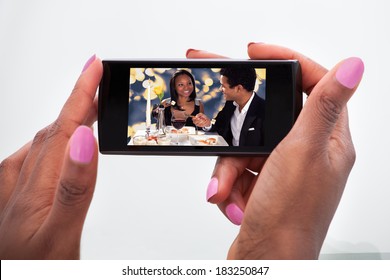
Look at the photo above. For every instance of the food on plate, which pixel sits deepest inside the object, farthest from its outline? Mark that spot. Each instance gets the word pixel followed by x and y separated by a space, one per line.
pixel 151 142
pixel 152 137
pixel 139 140
pixel 208 141
pixel 163 140
pixel 184 130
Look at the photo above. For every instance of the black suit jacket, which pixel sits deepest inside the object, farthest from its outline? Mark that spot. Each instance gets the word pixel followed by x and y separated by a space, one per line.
pixel 252 132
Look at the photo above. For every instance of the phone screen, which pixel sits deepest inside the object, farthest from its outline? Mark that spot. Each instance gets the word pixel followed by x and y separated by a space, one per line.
pixel 158 95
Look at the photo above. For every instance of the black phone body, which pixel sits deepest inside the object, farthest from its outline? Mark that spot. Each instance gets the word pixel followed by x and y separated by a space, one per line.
pixel 130 91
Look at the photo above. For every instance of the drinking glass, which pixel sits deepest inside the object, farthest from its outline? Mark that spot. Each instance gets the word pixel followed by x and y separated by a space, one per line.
pixel 178 120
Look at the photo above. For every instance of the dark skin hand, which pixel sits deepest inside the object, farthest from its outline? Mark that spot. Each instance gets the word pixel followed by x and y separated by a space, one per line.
pixel 46 187
pixel 286 210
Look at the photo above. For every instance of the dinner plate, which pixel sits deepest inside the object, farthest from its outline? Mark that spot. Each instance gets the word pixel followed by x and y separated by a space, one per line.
pixel 207 140
pixel 180 135
pixel 185 130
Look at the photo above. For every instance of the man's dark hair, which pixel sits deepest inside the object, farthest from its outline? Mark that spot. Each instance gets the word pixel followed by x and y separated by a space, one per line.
pixel 239 75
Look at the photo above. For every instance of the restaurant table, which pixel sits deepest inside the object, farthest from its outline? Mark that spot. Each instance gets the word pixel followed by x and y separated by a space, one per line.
pixel 187 136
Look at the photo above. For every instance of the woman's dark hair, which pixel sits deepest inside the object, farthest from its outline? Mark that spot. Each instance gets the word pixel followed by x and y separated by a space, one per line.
pixel 174 95
pixel 244 76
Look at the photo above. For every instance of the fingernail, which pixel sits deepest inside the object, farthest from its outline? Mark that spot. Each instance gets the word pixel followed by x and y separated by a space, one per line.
pixel 234 213
pixel 89 62
pixel 350 72
pixel 82 145
pixel 212 188
pixel 190 50
pixel 255 43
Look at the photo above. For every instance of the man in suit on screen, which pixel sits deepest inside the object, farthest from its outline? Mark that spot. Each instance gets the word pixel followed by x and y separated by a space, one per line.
pixel 241 121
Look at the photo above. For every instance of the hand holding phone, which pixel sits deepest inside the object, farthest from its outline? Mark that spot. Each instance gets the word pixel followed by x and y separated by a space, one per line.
pixel 286 202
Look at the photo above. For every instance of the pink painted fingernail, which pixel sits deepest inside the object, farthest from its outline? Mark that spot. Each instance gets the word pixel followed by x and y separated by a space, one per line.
pixel 253 43
pixel 190 50
pixel 234 213
pixel 350 72
pixel 82 145
pixel 212 188
pixel 89 62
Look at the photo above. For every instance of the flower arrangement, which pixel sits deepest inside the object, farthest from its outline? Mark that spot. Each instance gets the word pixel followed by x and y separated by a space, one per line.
pixel 158 90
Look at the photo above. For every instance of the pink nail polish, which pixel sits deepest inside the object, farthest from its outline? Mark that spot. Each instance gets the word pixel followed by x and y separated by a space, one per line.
pixel 89 62
pixel 234 213
pixel 82 145
pixel 190 50
pixel 350 72
pixel 253 43
pixel 212 188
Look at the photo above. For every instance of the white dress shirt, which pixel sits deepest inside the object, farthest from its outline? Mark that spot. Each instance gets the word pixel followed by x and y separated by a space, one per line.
pixel 237 120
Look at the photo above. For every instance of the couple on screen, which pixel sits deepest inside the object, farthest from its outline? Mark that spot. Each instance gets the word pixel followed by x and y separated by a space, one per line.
pixel 240 122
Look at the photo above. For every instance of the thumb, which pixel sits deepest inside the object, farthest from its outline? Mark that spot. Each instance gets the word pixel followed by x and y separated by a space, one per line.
pixel 329 98
pixel 75 188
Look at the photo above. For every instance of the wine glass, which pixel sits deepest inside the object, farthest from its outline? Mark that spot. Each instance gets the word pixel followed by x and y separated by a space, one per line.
pixel 178 120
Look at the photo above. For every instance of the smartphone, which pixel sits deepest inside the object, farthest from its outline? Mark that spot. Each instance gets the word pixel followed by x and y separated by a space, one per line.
pixel 197 106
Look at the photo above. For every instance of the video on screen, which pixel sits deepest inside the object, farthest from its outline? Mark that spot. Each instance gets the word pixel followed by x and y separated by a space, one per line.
pixel 196 106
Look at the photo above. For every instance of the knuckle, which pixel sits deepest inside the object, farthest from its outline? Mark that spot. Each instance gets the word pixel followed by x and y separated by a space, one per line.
pixel 328 109
pixel 41 136
pixel 72 193
pixel 54 129
pixel 6 165
pixel 48 132
pixel 8 168
pixel 51 133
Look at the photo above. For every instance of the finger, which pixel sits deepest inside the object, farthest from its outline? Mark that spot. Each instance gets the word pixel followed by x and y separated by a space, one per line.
pixel 29 162
pixel 191 53
pixel 9 173
pixel 75 188
pixel 92 115
pixel 82 102
pixel 311 71
pixel 226 172
pixel 233 207
pixel 232 183
pixel 328 100
pixel 74 113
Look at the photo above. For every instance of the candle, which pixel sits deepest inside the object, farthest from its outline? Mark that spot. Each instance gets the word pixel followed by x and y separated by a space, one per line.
pixel 148 107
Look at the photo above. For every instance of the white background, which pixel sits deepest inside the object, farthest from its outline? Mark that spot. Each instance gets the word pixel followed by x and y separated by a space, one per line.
pixel 44 45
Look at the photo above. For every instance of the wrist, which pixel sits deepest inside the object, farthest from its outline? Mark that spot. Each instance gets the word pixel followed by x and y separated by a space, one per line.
pixel 207 128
